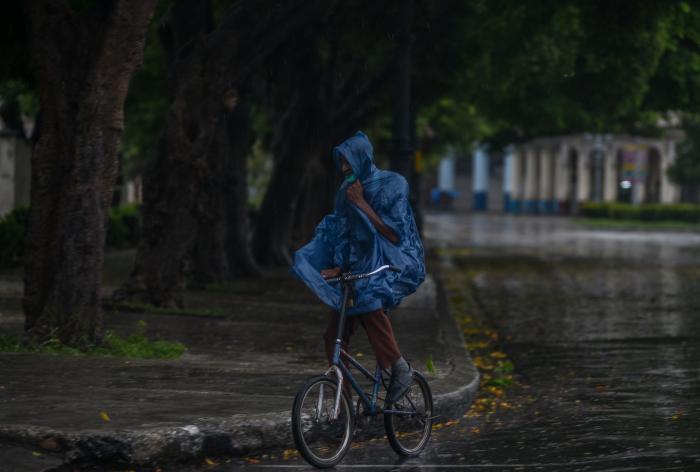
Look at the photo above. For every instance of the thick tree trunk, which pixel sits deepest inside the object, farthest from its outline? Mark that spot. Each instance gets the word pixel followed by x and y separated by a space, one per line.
pixel 83 64
pixel 240 138
pixel 301 133
pixel 181 196
pixel 222 251
pixel 299 139
pixel 316 199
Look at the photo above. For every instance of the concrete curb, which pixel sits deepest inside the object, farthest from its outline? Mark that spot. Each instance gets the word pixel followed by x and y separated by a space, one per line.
pixel 239 434
pixel 458 401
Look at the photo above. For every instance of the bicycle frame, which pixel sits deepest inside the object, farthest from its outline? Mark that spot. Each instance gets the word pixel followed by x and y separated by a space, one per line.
pixel 341 371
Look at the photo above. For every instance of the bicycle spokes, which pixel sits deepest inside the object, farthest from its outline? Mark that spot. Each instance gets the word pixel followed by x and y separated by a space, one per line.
pixel 321 437
pixel 410 424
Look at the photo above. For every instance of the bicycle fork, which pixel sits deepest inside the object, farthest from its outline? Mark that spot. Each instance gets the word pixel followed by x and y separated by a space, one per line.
pixel 336 354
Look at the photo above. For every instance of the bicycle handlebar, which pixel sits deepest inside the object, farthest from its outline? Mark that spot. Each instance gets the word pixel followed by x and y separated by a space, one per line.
pixel 348 276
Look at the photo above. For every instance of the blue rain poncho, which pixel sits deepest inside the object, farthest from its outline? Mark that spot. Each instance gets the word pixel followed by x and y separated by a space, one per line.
pixel 347 238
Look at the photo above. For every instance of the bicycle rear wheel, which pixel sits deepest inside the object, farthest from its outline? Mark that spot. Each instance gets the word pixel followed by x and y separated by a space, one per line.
pixel 321 440
pixel 409 433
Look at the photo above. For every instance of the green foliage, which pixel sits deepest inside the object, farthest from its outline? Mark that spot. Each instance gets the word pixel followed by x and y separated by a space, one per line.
pixel 136 345
pixel 500 382
pixel 430 366
pixel 13 228
pixel 123 230
pixel 504 367
pixel 124 226
pixel 645 212
pixel 637 225
pixel 146 103
pixel 685 170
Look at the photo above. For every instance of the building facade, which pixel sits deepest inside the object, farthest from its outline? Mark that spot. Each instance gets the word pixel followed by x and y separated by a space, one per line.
pixel 556 174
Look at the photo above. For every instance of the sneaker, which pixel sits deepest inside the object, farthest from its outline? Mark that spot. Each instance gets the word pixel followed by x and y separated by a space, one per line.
pixel 401 378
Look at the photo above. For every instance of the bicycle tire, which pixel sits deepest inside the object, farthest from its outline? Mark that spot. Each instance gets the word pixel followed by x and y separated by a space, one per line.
pixel 427 412
pixel 300 422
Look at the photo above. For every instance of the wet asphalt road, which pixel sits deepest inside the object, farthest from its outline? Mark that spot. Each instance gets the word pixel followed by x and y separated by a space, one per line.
pixel 604 331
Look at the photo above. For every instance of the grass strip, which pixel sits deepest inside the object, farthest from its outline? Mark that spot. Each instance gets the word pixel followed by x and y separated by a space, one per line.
pixel 638 225
pixel 159 310
pixel 134 346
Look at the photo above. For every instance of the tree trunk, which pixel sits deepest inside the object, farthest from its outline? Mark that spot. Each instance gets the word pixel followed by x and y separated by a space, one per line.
pixel 83 63
pixel 300 137
pixel 316 199
pixel 181 196
pixel 222 251
pixel 240 138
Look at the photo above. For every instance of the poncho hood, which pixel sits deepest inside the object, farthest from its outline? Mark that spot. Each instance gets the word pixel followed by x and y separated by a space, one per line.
pixel 347 238
pixel 359 154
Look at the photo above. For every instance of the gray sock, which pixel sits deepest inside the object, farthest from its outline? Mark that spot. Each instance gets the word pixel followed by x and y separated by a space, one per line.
pixel 400 364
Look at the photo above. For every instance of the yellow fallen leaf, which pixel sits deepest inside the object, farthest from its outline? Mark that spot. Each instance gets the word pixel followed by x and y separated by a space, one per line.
pixel 496 391
pixel 498 355
pixel 481 363
pixel 477 345
pixel 289 453
pixel 104 416
pixel 209 461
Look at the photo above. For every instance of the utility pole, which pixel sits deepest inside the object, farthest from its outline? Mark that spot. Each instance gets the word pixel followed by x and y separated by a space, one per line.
pixel 404 113
pixel 401 156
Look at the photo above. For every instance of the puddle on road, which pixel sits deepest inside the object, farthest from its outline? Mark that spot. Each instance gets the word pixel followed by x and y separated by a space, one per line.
pixel 606 344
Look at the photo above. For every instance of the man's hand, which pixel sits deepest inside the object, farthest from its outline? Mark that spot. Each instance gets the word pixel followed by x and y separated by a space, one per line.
pixel 330 273
pixel 355 193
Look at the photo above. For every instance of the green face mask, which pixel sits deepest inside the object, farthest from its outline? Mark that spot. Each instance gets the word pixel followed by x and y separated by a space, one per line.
pixel 350 178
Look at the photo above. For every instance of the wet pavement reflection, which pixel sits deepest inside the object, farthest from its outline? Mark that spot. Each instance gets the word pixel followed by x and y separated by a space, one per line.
pixel 604 331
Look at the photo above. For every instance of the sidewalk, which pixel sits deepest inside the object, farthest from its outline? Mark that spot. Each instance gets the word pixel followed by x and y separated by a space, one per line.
pixel 229 394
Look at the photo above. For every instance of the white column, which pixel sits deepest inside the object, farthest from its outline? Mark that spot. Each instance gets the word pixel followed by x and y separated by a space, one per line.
pixel 480 175
pixel 583 189
pixel 446 173
pixel 530 191
pixel 545 181
pixel 641 168
pixel 610 182
pixel 670 192
pixel 508 178
pixel 561 175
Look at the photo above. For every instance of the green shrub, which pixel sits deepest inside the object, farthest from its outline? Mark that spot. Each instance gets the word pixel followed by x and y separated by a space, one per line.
pixel 13 228
pixel 136 345
pixel 645 212
pixel 123 230
pixel 594 210
pixel 124 226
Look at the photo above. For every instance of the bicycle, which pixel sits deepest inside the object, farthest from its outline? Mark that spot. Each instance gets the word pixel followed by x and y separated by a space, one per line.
pixel 323 417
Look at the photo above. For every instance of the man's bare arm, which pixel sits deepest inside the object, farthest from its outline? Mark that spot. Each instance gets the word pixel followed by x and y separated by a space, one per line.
pixel 356 196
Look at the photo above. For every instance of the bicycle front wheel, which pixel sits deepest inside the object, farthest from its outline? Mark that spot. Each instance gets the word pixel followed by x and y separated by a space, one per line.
pixel 321 440
pixel 408 428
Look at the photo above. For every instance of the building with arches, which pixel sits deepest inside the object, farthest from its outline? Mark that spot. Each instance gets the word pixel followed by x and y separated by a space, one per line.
pixel 554 175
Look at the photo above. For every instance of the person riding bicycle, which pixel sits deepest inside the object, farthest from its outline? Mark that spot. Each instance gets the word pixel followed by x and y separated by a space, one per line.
pixel 372 225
